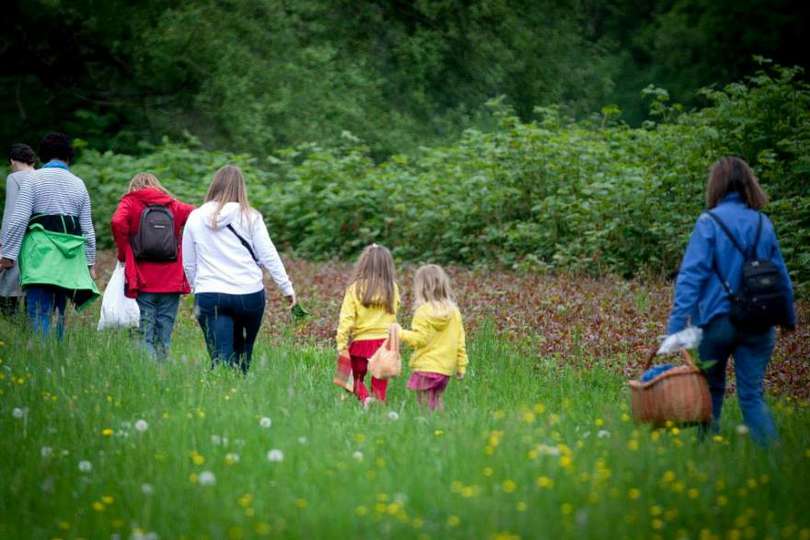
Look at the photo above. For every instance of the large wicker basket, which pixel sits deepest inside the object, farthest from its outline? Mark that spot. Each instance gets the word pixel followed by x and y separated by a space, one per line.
pixel 680 395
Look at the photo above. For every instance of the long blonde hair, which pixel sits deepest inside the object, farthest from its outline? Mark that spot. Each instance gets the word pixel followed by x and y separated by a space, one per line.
pixel 227 186
pixel 431 285
pixel 375 278
pixel 145 180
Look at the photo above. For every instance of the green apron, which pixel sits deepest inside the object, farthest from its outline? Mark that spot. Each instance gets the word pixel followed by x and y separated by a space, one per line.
pixel 57 259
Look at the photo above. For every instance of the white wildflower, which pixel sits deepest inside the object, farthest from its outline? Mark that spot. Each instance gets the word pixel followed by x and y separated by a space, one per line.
pixel 46 451
pixel 231 458
pixel 275 455
pixel 358 455
pixel 138 534
pixel 18 412
pixel 742 430
pixel 549 450
pixel 265 422
pixel 85 466
pixel 603 433
pixel 393 415
pixel 207 478
pixel 141 425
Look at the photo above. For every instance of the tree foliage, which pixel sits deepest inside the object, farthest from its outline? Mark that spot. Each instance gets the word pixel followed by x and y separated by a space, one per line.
pixel 259 75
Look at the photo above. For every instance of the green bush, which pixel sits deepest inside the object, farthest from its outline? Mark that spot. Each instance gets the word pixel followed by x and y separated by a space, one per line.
pixel 594 196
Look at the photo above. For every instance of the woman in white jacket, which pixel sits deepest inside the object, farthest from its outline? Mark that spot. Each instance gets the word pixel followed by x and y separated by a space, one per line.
pixel 225 247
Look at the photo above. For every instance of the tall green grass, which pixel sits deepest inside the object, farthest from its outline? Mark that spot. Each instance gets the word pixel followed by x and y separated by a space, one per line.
pixel 525 448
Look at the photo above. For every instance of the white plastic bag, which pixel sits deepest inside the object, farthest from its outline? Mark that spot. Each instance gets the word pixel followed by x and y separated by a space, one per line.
pixel 118 311
pixel 689 338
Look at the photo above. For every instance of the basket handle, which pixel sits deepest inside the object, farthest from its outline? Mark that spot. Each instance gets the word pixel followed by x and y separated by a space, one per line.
pixel 685 356
pixel 393 339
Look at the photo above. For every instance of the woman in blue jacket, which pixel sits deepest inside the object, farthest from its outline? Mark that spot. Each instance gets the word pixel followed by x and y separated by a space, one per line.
pixel 734 197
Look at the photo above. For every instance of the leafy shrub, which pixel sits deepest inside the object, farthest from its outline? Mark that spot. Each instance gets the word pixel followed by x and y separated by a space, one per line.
pixel 592 196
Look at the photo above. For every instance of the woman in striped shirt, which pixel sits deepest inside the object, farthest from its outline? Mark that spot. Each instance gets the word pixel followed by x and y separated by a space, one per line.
pixel 51 220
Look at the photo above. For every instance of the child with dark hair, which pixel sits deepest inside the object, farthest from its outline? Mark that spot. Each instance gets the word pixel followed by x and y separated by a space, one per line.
pixel 21 160
pixel 50 238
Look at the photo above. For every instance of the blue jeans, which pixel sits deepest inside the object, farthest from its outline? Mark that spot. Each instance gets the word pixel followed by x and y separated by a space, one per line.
pixel 41 301
pixel 158 313
pixel 751 353
pixel 230 323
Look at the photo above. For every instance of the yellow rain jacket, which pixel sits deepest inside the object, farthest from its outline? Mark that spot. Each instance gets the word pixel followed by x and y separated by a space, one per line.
pixel 359 322
pixel 438 340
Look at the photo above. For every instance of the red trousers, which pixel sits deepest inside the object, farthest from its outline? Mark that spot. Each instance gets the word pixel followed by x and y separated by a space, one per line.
pixel 360 351
pixel 378 386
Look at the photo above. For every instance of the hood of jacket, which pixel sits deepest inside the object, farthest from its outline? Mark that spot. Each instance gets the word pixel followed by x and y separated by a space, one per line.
pixel 228 214
pixel 438 318
pixel 150 196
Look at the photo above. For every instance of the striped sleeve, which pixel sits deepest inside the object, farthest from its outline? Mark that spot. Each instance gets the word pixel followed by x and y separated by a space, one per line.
pixel 18 222
pixel 86 223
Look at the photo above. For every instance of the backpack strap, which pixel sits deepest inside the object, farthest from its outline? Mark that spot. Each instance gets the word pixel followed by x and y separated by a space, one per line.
pixel 726 230
pixel 726 285
pixel 244 243
pixel 756 236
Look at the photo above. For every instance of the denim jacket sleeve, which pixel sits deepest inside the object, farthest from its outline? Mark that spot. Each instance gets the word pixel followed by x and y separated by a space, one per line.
pixel 696 269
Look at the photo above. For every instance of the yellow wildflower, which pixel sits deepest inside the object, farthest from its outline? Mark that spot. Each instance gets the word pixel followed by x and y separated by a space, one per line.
pixel 197 458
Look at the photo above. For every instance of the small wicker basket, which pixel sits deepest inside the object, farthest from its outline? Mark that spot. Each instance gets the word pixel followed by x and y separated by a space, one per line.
pixel 680 395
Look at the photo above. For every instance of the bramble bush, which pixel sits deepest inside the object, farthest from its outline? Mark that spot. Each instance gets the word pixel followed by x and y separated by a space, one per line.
pixel 592 196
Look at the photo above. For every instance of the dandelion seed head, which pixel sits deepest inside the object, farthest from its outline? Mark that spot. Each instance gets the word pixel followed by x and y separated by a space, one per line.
pixel 141 425
pixel 393 415
pixel 265 422
pixel 46 451
pixel 85 466
pixel 147 489
pixel 207 478
pixel 742 430
pixel 216 440
pixel 275 455
pixel 603 433
pixel 358 455
pixel 18 412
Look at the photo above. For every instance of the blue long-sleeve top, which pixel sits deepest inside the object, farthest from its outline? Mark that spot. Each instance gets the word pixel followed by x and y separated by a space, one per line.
pixel 699 294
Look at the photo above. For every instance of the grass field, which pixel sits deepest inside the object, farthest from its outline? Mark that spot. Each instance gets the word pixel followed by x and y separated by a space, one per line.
pixel 97 441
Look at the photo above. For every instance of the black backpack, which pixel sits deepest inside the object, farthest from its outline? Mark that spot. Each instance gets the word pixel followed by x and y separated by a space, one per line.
pixel 762 299
pixel 155 240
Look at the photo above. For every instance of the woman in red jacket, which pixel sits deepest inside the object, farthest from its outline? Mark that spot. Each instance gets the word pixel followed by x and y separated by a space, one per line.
pixel 148 228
